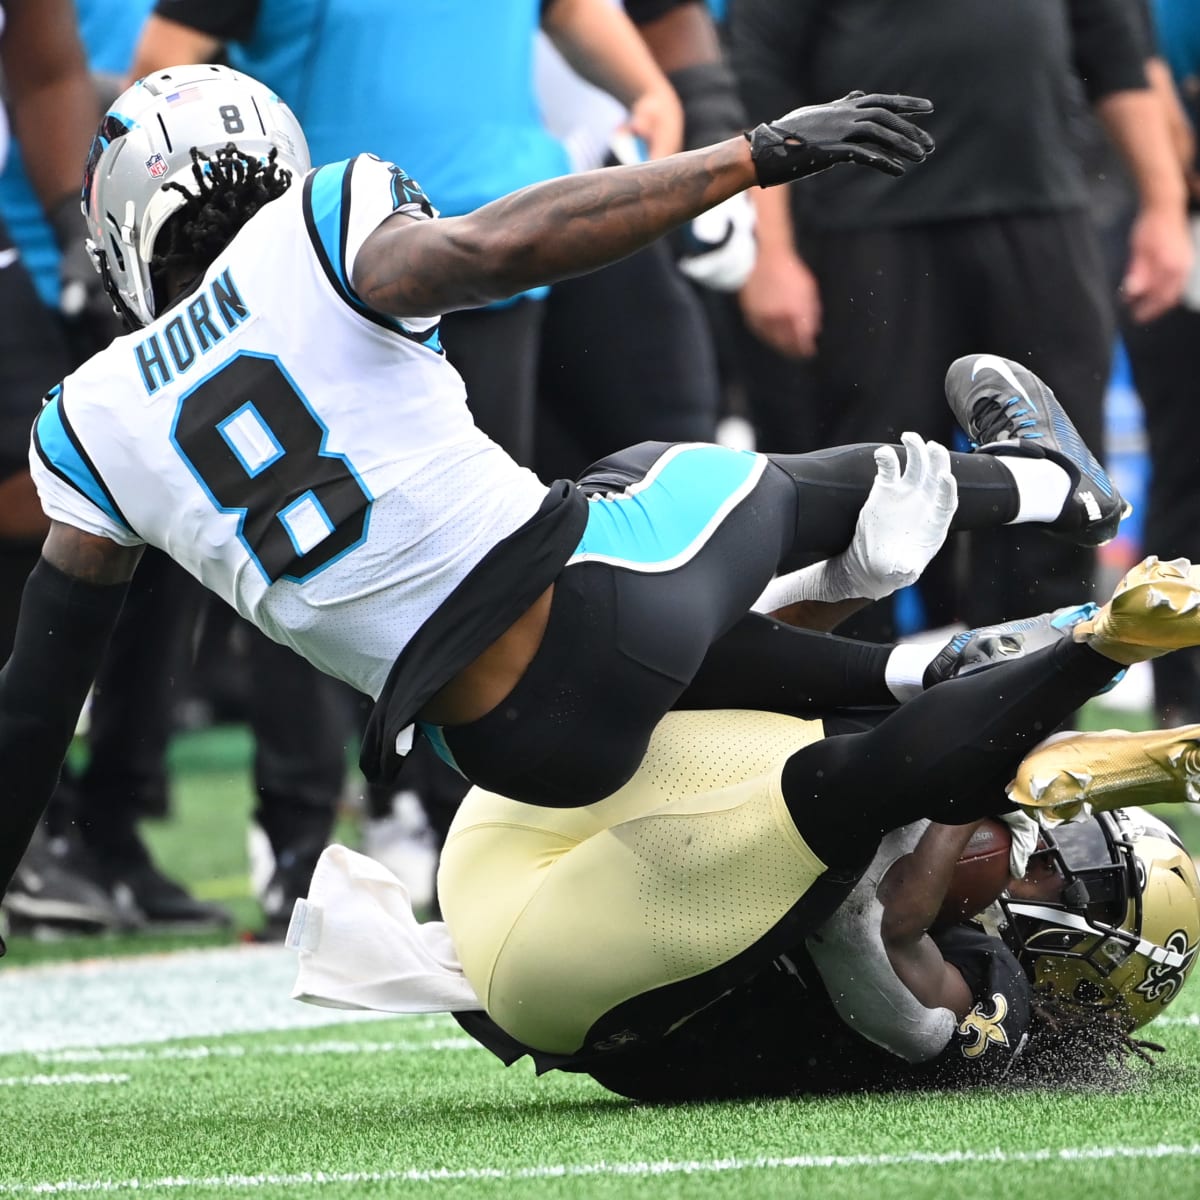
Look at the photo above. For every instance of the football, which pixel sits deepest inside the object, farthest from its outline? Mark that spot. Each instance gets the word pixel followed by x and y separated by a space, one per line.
pixel 980 874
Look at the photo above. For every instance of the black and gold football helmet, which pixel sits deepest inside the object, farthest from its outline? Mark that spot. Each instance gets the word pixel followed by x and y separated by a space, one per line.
pixel 1123 932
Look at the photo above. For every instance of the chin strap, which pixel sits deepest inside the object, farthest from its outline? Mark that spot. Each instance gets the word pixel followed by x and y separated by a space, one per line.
pixel 119 306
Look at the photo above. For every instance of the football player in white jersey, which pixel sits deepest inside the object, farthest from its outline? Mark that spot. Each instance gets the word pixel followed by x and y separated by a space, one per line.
pixel 282 422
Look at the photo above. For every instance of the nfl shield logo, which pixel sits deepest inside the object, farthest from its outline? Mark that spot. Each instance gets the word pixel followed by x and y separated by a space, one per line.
pixel 157 166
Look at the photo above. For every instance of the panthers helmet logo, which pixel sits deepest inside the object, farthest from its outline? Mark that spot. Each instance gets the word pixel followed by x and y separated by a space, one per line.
pixel 986 1028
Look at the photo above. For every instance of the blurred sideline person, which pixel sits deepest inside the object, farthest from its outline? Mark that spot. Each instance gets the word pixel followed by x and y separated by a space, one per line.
pixel 373 528
pixel 52 107
pixel 627 354
pixel 1164 354
pixel 860 294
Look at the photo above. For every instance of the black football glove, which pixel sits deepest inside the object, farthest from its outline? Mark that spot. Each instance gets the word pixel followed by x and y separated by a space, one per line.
pixel 858 128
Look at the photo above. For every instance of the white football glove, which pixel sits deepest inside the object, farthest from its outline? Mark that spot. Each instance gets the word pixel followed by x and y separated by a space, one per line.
pixel 1025 832
pixel 721 246
pixel 901 527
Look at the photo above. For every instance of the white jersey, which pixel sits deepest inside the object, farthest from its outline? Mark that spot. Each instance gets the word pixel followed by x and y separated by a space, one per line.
pixel 309 460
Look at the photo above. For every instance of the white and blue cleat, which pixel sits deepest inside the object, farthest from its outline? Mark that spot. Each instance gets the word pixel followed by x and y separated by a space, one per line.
pixel 1004 408
pixel 989 645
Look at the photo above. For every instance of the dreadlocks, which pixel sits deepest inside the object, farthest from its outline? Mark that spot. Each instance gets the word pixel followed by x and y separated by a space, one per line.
pixel 1073 1046
pixel 231 188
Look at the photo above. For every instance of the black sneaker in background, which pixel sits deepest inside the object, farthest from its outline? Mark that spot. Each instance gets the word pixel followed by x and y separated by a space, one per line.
pixel 162 903
pixel 289 883
pixel 123 867
pixel 52 893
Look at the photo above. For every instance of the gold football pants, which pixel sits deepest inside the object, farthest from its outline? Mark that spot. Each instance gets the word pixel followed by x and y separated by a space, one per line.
pixel 560 915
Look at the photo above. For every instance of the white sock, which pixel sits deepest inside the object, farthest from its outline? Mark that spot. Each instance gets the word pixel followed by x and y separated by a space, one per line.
pixel 1043 487
pixel 906 667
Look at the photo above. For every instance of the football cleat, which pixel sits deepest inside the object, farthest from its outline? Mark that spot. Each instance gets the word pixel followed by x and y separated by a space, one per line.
pixel 1005 409
pixel 1155 608
pixel 1076 773
pixel 977 649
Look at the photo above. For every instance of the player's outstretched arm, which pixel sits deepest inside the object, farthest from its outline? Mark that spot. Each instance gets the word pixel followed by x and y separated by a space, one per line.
pixel 68 609
pixel 577 223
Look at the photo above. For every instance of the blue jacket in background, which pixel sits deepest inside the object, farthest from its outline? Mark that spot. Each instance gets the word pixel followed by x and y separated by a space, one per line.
pixel 109 30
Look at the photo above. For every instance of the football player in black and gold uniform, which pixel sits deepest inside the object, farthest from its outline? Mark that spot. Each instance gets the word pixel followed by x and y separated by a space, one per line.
pixel 1092 944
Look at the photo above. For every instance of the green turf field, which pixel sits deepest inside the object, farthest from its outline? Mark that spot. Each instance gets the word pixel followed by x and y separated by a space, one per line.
pixel 189 1072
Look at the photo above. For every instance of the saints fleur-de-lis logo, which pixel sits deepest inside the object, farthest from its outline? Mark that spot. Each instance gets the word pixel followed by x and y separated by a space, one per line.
pixel 1163 981
pixel 984 1028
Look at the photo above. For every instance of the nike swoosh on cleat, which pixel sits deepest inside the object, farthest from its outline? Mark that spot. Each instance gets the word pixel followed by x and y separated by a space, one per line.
pixel 991 362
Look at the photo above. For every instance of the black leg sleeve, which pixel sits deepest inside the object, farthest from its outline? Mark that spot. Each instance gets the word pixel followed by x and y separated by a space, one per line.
pixel 61 636
pixel 832 486
pixel 301 731
pixel 763 663
pixel 948 754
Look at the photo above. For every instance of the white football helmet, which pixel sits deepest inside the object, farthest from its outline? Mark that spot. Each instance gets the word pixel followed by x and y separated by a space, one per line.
pixel 145 142
pixel 1124 933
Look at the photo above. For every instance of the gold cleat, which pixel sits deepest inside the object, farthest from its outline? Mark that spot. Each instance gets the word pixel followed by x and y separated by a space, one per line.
pixel 1155 608
pixel 1071 773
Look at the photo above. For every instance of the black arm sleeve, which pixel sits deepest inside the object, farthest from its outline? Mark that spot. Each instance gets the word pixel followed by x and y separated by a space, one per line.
pixel 770 45
pixel 1110 46
pixel 229 20
pixel 61 635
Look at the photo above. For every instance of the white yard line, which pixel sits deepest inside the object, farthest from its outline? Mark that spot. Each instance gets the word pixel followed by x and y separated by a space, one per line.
pixel 801 1162
pixel 59 1080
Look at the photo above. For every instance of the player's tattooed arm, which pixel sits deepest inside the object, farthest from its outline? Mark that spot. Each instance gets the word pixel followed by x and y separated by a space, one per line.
pixel 568 226
pixel 543 233
pixel 87 557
